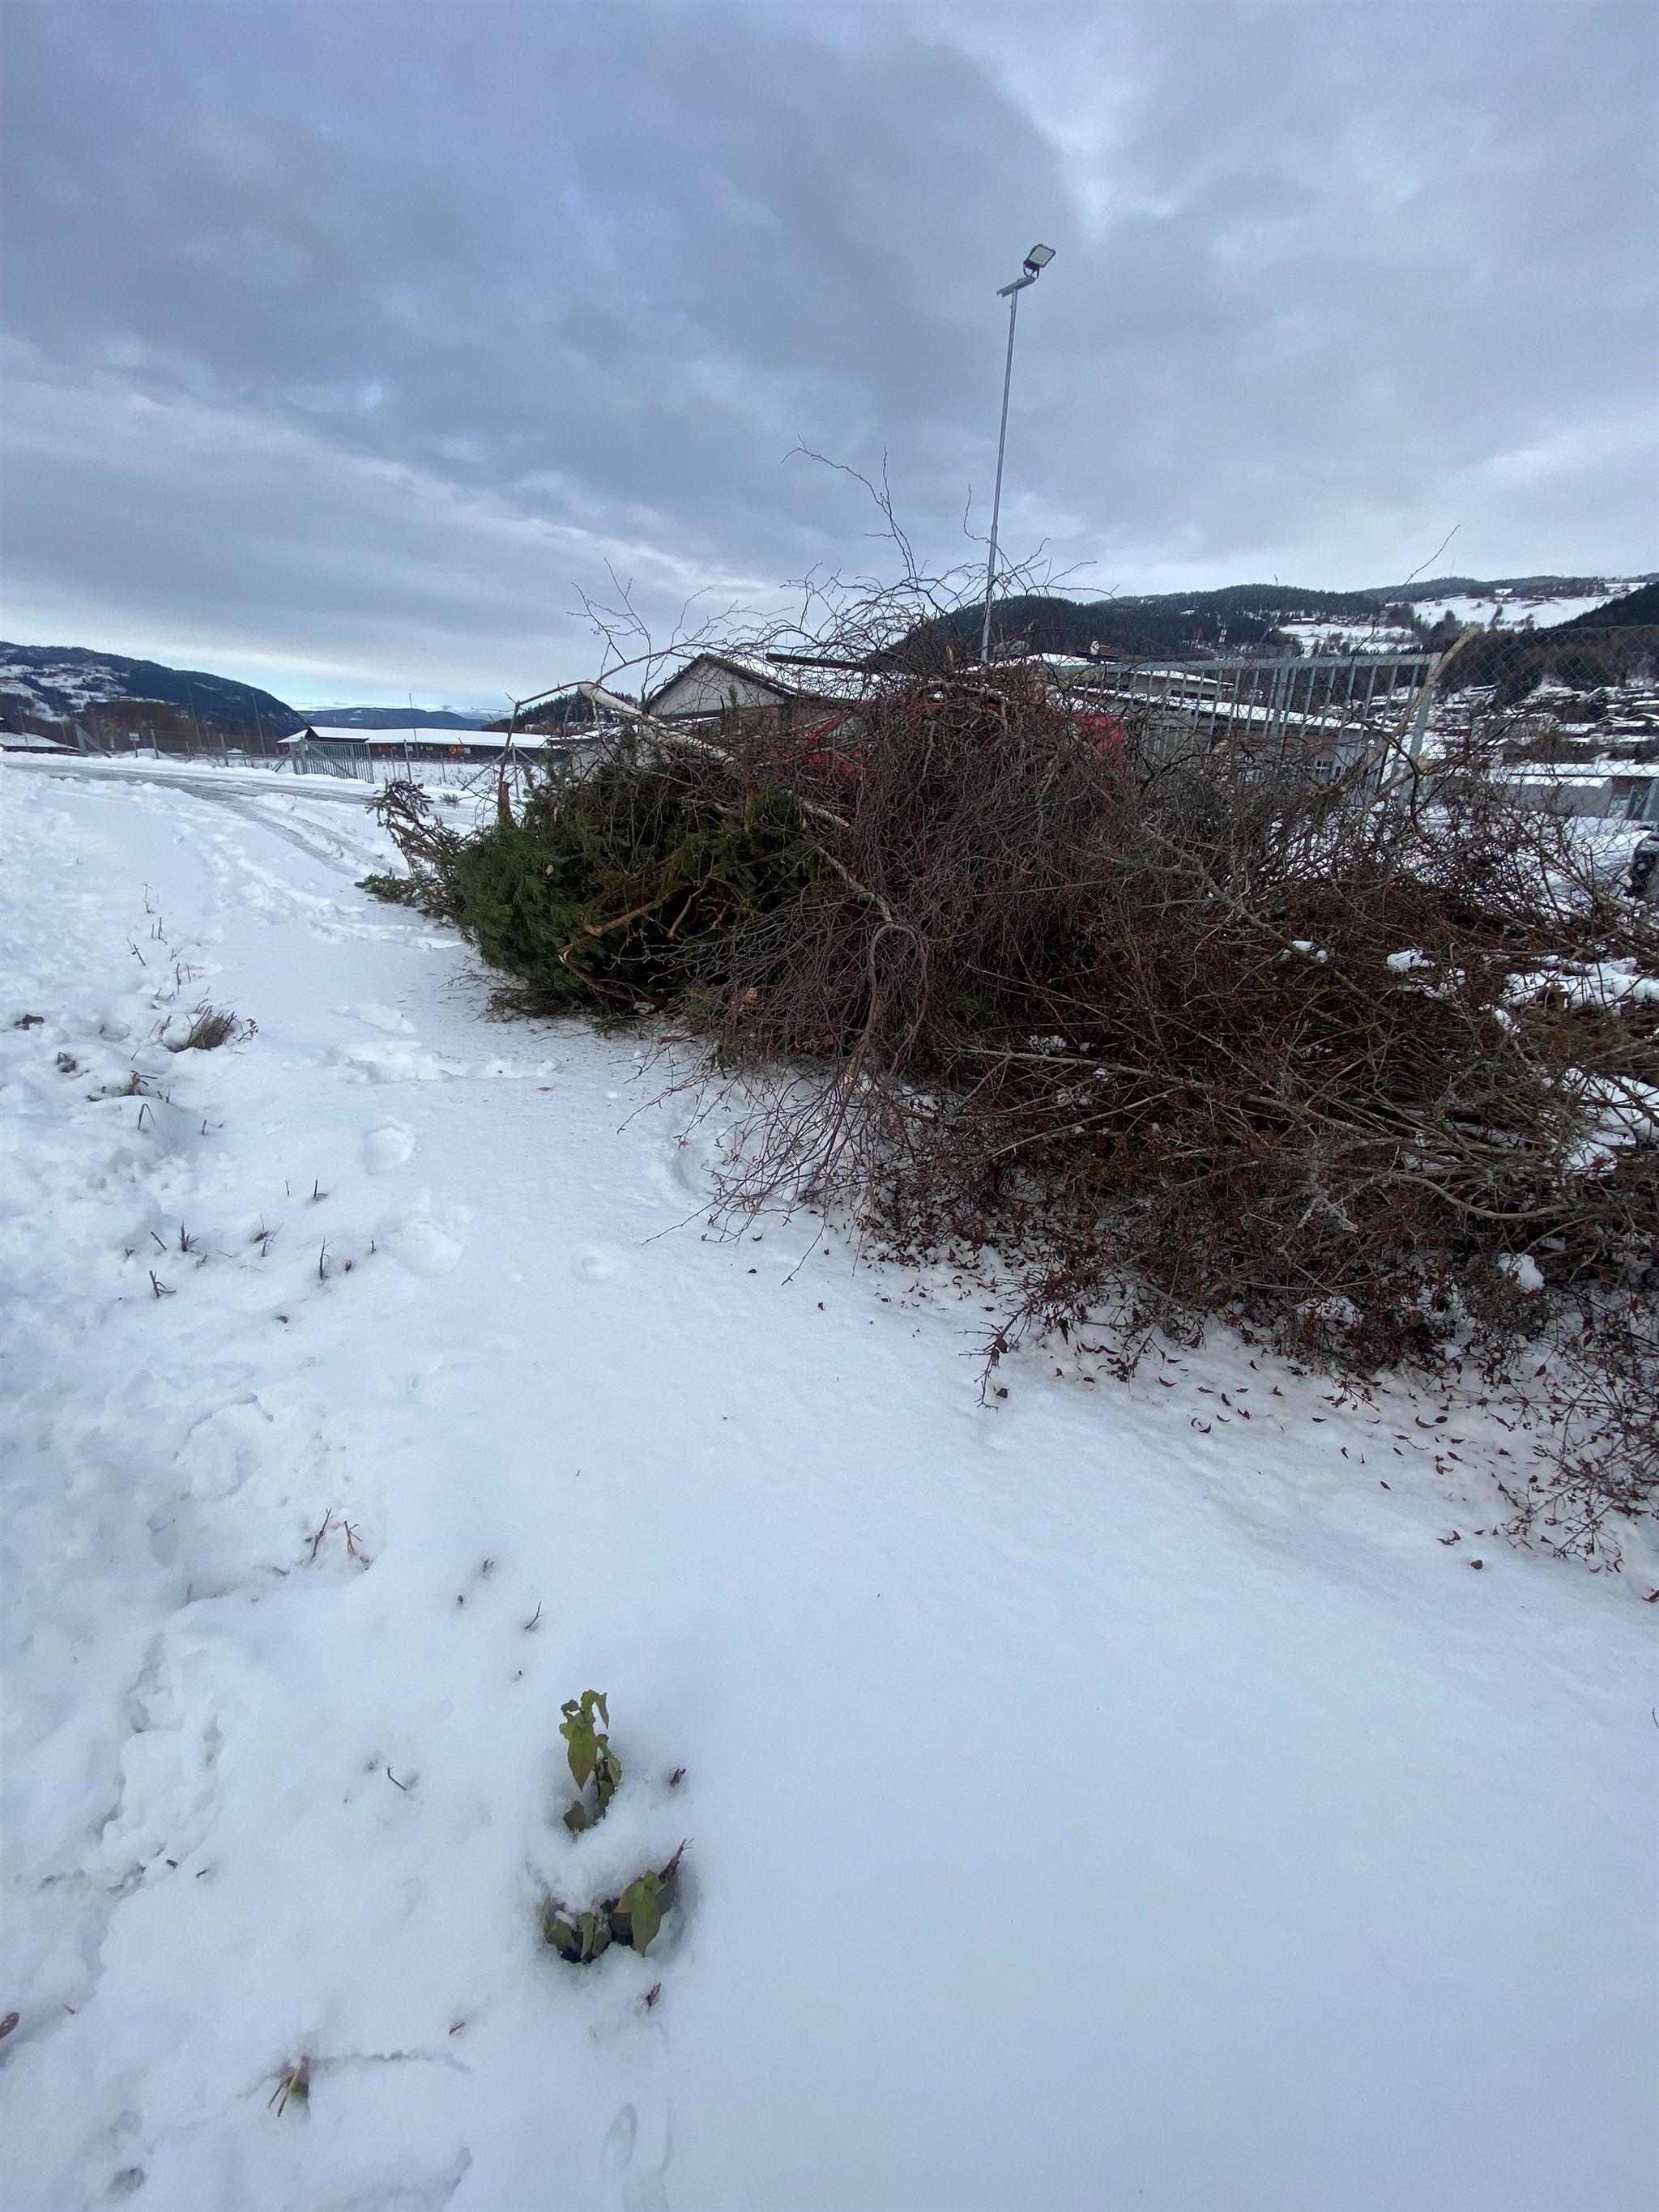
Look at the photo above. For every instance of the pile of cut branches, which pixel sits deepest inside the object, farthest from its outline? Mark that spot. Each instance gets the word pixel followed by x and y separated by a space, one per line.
pixel 1377 1079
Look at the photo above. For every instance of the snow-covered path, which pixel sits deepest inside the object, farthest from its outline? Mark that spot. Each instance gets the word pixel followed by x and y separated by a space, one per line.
pixel 1088 1807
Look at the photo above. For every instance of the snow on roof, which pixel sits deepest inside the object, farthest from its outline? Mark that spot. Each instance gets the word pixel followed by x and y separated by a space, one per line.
pixel 429 740
pixel 1601 771
pixel 332 733
pixel 789 680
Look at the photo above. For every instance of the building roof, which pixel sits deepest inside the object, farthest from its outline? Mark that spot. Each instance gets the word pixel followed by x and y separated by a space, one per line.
pixel 429 740
pixel 814 686
pixel 1586 772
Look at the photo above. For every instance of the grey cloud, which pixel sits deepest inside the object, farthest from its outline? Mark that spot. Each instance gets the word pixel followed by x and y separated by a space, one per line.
pixel 568 283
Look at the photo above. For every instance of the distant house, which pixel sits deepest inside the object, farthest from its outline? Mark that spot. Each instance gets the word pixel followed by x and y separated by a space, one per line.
pixel 815 703
pixel 344 749
pixel 30 741
pixel 341 745
pixel 547 734
pixel 1622 790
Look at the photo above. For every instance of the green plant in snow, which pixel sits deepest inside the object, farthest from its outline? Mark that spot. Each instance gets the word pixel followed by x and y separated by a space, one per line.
pixel 632 1918
pixel 577 1937
pixel 640 1907
pixel 591 1759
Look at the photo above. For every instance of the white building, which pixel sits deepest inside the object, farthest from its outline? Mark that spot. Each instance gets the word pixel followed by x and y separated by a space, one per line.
pixel 809 701
pixel 1626 791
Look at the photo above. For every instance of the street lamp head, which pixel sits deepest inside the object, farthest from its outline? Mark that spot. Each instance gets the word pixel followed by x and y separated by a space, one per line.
pixel 1038 259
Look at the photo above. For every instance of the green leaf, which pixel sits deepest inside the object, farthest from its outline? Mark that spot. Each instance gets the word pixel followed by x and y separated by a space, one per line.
pixel 577 1937
pixel 639 1902
pixel 590 1751
pixel 578 1817
pixel 596 1934
pixel 559 1929
pixel 607 1774
pixel 583 1750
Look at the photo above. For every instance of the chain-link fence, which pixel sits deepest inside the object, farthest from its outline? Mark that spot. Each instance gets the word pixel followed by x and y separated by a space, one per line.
pixel 366 761
pixel 1328 716
pixel 1572 717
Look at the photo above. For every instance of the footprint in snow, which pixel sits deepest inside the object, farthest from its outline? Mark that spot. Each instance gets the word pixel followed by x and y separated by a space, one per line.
pixel 381 1018
pixel 396 1063
pixel 636 2158
pixel 387 1146
pixel 596 1266
pixel 429 1244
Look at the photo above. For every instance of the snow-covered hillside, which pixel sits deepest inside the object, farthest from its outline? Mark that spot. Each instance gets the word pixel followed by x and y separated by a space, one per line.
pixel 1504 607
pixel 60 683
pixel 1515 609
pixel 1170 1795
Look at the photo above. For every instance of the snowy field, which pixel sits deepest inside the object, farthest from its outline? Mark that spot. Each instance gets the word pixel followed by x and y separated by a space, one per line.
pixel 1378 637
pixel 1545 612
pixel 1116 1797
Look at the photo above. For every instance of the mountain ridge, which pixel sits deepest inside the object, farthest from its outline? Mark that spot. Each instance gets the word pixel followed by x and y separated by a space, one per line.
pixel 111 693
pixel 391 718
pixel 1242 616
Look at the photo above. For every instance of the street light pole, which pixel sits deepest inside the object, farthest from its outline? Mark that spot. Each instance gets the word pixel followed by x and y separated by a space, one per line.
pixel 1035 262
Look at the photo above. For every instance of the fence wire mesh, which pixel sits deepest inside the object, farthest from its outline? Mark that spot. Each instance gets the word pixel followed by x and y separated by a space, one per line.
pixel 1572 715
pixel 1329 716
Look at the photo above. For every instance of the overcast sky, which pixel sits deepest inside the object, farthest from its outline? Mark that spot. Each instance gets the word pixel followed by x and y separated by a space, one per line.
pixel 346 341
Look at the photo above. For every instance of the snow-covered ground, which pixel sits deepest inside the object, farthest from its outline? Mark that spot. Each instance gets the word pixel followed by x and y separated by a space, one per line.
pixel 286 796
pixel 1378 637
pixel 1112 1797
